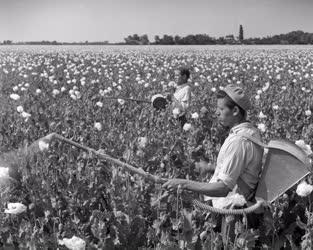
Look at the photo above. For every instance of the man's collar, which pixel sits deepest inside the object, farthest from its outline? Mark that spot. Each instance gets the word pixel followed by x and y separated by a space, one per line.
pixel 240 126
pixel 181 86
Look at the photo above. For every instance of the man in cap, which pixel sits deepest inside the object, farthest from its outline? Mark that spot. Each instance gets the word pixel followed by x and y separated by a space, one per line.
pixel 239 161
pixel 182 95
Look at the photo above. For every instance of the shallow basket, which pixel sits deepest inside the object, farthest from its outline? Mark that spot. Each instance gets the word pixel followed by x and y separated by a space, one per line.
pixel 285 165
pixel 159 102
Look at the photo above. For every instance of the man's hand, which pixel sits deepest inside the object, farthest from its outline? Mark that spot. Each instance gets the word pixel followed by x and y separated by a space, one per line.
pixel 169 97
pixel 174 184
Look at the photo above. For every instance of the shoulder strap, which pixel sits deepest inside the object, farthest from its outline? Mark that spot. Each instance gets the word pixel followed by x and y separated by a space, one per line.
pixel 251 195
pixel 254 140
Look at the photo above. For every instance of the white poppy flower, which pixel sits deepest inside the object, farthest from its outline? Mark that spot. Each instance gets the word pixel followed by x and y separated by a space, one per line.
pixel 266 87
pixel 305 147
pixel 275 107
pixel 99 104
pixel 187 127
pixel 15 97
pixel 308 112
pixel 74 243
pixel 262 116
pixel 25 115
pixel 98 126
pixel 19 109
pixel 176 112
pixel 55 92
pixel 15 208
pixel 142 142
pixel 262 127
pixel 229 201
pixel 38 91
pixel 4 172
pixel 121 101
pixel 43 145
pixel 304 189
pixel 213 89
pixel 195 115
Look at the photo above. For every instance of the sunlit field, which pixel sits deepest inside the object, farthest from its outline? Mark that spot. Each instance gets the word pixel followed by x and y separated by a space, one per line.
pixel 67 193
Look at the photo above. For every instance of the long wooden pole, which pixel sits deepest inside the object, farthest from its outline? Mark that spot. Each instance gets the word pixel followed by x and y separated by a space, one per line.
pixel 126 99
pixel 106 157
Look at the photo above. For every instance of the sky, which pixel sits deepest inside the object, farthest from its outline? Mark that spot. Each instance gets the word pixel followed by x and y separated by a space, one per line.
pixel 113 20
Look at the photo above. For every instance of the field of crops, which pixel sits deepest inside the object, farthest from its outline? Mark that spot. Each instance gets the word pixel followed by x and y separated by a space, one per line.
pixel 69 193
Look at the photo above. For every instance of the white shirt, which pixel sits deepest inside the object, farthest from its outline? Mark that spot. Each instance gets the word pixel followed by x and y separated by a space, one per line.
pixel 182 98
pixel 239 161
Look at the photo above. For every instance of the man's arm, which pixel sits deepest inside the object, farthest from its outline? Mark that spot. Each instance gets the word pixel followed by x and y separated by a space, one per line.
pixel 216 189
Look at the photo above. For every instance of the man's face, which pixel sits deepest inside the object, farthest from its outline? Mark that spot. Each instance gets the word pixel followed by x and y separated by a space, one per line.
pixel 181 79
pixel 226 116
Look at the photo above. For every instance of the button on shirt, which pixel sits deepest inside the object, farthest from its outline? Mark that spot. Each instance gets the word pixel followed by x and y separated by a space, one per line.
pixel 239 161
pixel 182 98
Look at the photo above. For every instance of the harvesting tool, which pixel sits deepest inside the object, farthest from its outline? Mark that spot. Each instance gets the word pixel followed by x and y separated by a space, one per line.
pixel 284 166
pixel 158 101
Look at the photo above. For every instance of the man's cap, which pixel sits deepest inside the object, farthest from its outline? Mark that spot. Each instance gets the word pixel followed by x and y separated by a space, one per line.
pixel 238 96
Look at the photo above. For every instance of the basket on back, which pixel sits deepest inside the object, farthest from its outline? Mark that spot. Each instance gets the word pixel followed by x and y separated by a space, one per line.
pixel 285 165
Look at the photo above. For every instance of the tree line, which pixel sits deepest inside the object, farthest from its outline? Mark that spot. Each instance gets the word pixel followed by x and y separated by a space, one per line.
pixel 294 37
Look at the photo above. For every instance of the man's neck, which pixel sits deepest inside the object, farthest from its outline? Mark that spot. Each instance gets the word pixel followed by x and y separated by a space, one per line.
pixel 238 122
pixel 181 84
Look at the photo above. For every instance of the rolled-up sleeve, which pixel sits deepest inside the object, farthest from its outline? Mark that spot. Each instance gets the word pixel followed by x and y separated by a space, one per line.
pixel 233 162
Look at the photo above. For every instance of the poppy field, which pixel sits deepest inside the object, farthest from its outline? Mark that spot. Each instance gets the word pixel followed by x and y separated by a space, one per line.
pixel 64 198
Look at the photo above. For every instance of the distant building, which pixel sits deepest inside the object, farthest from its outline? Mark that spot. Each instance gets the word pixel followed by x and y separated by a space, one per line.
pixel 230 39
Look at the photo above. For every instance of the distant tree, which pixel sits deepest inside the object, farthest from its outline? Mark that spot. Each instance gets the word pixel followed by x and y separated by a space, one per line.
pixel 7 42
pixel 136 37
pixel 177 39
pixel 241 33
pixel 157 40
pixel 144 40
pixel 167 40
pixel 132 40
pixel 221 40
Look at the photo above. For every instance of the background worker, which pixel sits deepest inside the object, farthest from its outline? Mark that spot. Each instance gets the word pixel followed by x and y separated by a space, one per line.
pixel 182 95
